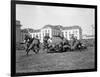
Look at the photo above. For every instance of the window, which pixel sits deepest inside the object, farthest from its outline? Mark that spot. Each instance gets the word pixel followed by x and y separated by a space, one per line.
pixel 73 31
pixel 48 34
pixel 40 36
pixel 43 34
pixel 56 32
pixel 45 31
pixel 66 34
pixel 76 32
pixel 53 32
pixel 70 35
pixel 62 32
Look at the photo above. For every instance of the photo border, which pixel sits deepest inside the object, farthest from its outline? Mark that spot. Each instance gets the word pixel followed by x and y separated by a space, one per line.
pixel 13 36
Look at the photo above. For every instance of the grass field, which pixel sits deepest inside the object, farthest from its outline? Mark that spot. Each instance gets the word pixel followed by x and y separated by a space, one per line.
pixel 54 61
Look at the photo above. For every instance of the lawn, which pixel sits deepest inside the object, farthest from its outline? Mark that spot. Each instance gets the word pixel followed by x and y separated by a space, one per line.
pixel 54 61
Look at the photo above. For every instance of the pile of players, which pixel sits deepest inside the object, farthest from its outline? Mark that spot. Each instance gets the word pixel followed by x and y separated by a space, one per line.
pixel 48 44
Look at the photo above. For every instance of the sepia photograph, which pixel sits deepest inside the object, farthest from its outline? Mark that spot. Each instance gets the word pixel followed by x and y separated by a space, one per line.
pixel 54 38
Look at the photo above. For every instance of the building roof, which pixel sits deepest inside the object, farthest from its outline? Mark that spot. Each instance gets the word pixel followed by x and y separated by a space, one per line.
pixel 18 23
pixel 52 26
pixel 88 35
pixel 71 27
pixel 30 30
pixel 24 30
pixel 59 27
pixel 38 30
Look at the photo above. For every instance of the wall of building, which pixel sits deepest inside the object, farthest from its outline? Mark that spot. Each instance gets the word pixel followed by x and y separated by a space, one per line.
pixel 18 32
pixel 68 33
pixel 55 32
pixel 46 31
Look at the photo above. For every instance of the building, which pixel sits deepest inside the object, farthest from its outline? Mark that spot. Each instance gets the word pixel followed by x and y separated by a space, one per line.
pixel 23 33
pixel 75 30
pixel 55 30
pixel 35 33
pixel 18 32
pixel 49 30
pixel 88 37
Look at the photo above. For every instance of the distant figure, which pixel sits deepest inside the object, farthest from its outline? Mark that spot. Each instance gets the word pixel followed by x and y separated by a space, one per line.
pixel 50 40
pixel 35 45
pixel 35 42
pixel 45 42
pixel 36 36
pixel 27 38
pixel 73 40
pixel 45 39
pixel 65 41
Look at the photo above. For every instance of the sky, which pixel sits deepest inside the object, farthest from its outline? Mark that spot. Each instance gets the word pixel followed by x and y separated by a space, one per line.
pixel 37 16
